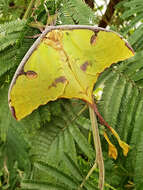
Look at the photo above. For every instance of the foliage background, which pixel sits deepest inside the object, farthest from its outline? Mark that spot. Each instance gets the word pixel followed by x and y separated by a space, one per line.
pixel 52 148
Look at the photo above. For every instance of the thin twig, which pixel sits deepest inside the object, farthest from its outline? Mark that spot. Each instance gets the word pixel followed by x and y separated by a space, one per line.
pixel 89 174
pixel 106 18
pixel 29 9
pixel 79 113
pixel 6 169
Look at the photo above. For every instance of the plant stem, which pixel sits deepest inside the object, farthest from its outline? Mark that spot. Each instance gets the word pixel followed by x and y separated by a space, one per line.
pixel 89 174
pixel 29 9
pixel 89 137
pixel 97 145
pixel 79 113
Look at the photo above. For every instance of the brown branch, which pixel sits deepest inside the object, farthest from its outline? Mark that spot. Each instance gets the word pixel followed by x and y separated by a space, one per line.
pixel 106 18
pixel 90 3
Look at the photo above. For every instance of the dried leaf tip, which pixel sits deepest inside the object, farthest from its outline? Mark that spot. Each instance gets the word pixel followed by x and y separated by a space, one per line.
pixel 113 153
pixel 125 147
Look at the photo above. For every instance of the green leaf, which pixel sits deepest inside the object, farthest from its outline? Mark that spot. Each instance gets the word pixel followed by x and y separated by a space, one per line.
pixel 58 175
pixel 74 170
pixel 41 186
pixel 81 141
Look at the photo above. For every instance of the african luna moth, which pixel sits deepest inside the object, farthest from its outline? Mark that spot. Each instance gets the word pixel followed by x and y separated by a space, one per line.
pixel 64 62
